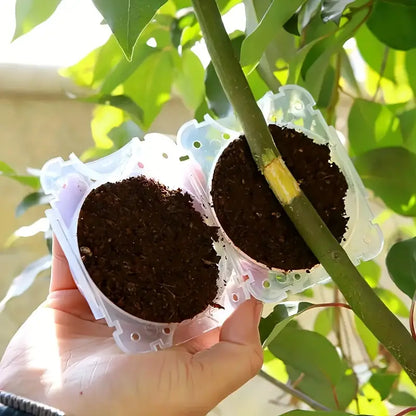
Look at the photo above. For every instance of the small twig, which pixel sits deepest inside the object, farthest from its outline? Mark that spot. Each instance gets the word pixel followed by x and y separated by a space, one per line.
pixel 406 411
pixel 295 393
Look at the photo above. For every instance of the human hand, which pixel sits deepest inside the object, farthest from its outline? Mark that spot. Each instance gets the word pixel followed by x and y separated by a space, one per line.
pixel 63 357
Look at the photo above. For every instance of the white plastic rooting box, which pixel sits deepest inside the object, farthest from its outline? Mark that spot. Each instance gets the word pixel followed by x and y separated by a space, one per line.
pixel 291 107
pixel 157 157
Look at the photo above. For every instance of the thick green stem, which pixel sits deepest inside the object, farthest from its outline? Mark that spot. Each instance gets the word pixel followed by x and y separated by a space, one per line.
pixel 368 307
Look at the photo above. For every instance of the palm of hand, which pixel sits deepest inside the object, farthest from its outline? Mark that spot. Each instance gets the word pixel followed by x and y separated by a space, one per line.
pixel 63 357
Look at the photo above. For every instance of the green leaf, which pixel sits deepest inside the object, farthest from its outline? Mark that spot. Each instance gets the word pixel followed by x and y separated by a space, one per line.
pixel 401 264
pixel 371 126
pixel 402 398
pixel 30 13
pixel 319 57
pixel 127 19
pixel 274 367
pixel 217 100
pixel 309 353
pixel 189 79
pixel 392 301
pixel 315 413
pixel 124 69
pixel 371 272
pixel 278 319
pixel 225 5
pixel 369 340
pixel 35 198
pixel 391 173
pixel 151 95
pixel 383 383
pixel 122 134
pixel 332 9
pixel 393 23
pixel 324 322
pixel 337 396
pixel 314 362
pixel 310 9
pixel 375 55
pixel 119 101
pixel 275 17
pixel 7 171
pixel 408 129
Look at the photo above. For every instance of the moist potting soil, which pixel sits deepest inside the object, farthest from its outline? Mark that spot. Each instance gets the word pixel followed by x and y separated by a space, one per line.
pixel 148 250
pixel 252 217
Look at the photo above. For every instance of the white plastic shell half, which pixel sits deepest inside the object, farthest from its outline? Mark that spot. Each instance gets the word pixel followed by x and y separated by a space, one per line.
pixel 291 107
pixel 157 157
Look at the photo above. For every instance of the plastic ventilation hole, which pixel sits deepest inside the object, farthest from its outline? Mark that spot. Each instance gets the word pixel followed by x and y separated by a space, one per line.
pixel 135 336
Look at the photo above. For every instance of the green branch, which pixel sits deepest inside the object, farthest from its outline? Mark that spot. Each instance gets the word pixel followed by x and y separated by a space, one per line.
pixel 368 307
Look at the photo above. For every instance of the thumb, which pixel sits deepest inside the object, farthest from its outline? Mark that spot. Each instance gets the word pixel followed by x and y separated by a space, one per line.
pixel 235 359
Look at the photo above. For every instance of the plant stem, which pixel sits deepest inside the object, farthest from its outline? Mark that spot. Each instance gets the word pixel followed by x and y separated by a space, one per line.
pixel 368 307
pixel 294 392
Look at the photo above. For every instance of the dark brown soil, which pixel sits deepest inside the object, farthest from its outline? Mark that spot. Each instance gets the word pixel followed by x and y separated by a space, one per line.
pixel 148 250
pixel 252 217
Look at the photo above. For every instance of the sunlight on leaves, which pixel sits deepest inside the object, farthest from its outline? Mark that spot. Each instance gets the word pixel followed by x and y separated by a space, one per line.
pixel 393 302
pixel 189 77
pixel 369 402
pixel 127 19
pixel 371 272
pixel 369 340
pixel 30 13
pixel 274 367
pixel 255 44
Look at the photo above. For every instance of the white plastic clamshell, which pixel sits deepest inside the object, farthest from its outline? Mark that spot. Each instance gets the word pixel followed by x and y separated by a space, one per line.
pixel 157 157
pixel 291 107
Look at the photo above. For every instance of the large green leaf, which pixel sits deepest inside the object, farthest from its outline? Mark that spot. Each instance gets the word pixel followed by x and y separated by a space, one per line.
pixel 401 264
pixel 255 44
pixel 383 383
pixel 393 22
pixel 391 173
pixel 314 362
pixel 309 353
pixel 30 13
pixel 149 86
pixel 189 79
pixel 336 397
pixel 271 326
pixel 127 19
pixel 372 125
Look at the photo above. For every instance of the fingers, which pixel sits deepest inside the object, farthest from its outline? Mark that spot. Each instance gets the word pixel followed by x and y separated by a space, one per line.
pixel 238 356
pixel 61 278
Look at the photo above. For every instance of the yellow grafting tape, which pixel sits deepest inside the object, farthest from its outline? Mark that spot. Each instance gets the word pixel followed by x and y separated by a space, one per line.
pixel 281 181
